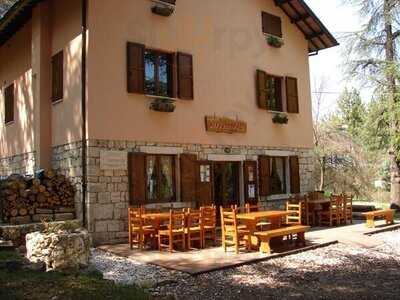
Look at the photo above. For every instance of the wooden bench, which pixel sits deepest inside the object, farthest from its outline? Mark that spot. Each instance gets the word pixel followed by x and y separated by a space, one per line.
pixel 265 236
pixel 388 214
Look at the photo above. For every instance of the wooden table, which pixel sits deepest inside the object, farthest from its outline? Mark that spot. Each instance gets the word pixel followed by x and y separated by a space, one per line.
pixel 251 219
pixel 314 206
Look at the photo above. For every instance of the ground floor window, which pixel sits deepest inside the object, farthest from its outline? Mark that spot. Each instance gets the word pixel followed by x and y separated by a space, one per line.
pixel 277 185
pixel 160 183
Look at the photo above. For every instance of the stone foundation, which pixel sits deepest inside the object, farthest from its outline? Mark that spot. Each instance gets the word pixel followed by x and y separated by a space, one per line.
pixel 108 197
pixel 62 250
pixel 24 164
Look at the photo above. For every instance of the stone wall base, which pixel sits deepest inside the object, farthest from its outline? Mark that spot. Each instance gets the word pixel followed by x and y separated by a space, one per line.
pixel 24 164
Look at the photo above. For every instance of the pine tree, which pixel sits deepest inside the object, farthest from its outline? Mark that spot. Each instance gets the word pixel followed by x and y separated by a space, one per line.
pixel 373 57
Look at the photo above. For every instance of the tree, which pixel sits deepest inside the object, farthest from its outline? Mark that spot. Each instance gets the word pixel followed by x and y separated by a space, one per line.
pixel 373 57
pixel 351 112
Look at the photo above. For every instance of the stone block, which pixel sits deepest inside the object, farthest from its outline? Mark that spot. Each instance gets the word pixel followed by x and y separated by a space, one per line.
pixel 103 211
pixel 41 217
pixel 96 187
pixel 116 197
pixel 114 226
pixel 64 216
pixel 101 226
pixel 104 197
pixel 116 179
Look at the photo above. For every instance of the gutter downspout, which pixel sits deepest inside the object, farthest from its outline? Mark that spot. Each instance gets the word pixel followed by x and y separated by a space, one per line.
pixel 83 106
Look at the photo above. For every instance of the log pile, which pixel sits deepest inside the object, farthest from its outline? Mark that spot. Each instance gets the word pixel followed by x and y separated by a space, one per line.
pixel 23 196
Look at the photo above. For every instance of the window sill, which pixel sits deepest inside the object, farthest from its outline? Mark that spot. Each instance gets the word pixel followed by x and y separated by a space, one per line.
pixel 10 123
pixel 278 197
pixel 277 112
pixel 160 97
pixel 57 101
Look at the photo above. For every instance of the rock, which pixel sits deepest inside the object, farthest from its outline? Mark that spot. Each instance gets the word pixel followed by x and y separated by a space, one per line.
pixel 59 251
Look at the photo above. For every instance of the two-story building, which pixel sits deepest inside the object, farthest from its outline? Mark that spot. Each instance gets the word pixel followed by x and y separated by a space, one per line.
pixel 158 102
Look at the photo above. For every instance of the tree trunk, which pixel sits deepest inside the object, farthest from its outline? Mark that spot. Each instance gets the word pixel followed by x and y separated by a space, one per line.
pixel 391 92
pixel 322 174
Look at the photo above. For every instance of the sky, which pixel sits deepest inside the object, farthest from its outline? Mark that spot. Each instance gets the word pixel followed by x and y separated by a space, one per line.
pixel 339 19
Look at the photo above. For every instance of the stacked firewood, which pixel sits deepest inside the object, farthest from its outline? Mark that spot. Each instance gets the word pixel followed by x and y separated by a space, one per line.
pixel 21 196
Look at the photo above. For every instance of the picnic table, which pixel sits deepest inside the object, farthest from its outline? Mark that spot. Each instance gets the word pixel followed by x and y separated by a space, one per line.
pixel 252 218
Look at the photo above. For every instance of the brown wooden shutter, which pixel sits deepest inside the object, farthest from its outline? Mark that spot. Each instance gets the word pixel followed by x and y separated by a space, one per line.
pixel 9 103
pixel 292 95
pixel 57 76
pixel 137 178
pixel 263 171
pixel 185 76
pixel 204 189
pixel 250 166
pixel 188 167
pixel 262 89
pixel 271 24
pixel 135 67
pixel 294 175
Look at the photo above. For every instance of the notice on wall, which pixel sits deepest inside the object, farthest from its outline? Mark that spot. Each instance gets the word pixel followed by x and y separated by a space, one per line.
pixel 113 160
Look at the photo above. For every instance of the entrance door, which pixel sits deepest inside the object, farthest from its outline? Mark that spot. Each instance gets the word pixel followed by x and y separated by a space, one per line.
pixel 226 183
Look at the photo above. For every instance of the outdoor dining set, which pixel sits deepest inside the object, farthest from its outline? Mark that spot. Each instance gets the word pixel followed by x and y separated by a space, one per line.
pixel 252 227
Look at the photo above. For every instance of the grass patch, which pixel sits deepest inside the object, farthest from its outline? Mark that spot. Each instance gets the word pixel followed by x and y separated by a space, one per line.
pixel 9 255
pixel 36 285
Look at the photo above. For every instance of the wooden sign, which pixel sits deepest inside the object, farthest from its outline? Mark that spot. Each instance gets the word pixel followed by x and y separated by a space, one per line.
pixel 225 125
pixel 113 160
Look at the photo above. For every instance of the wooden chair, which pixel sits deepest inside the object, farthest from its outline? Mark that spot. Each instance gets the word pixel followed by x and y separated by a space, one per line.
pixel 348 208
pixel 331 215
pixel 194 229
pixel 209 224
pixel 340 209
pixel 295 209
pixel 138 231
pixel 175 234
pixel 231 234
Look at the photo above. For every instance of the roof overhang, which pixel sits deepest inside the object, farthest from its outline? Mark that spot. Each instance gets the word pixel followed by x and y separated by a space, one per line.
pixel 300 14
pixel 15 18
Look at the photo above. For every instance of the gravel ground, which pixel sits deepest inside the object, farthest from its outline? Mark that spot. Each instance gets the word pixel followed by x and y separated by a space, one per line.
pixel 334 272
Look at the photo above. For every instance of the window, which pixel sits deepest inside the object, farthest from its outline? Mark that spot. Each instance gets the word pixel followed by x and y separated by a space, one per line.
pixel 277 176
pixel 9 104
pixel 158 79
pixel 57 77
pixel 269 91
pixel 271 24
pixel 160 178
pixel 159 73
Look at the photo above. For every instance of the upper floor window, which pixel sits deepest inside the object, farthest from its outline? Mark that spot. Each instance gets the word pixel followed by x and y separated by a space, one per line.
pixel 57 77
pixel 270 89
pixel 158 79
pixel 159 73
pixel 9 104
pixel 271 24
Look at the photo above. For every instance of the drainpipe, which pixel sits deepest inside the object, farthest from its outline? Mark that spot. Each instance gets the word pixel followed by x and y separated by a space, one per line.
pixel 83 86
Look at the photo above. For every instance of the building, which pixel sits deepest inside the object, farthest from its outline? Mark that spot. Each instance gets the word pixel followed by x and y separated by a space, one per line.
pixel 182 102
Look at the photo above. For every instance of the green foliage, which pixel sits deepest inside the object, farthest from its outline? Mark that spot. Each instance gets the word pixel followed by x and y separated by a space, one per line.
pixel 352 112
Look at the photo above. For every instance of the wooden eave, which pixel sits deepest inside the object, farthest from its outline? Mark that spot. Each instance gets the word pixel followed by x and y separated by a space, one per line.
pixel 18 15
pixel 300 14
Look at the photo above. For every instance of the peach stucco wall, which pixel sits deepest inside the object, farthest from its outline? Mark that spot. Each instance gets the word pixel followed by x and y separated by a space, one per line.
pixel 66 35
pixel 15 66
pixel 226 40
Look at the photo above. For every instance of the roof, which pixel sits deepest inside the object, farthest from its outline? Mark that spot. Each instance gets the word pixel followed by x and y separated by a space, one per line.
pixel 318 36
pixel 15 18
pixel 300 14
